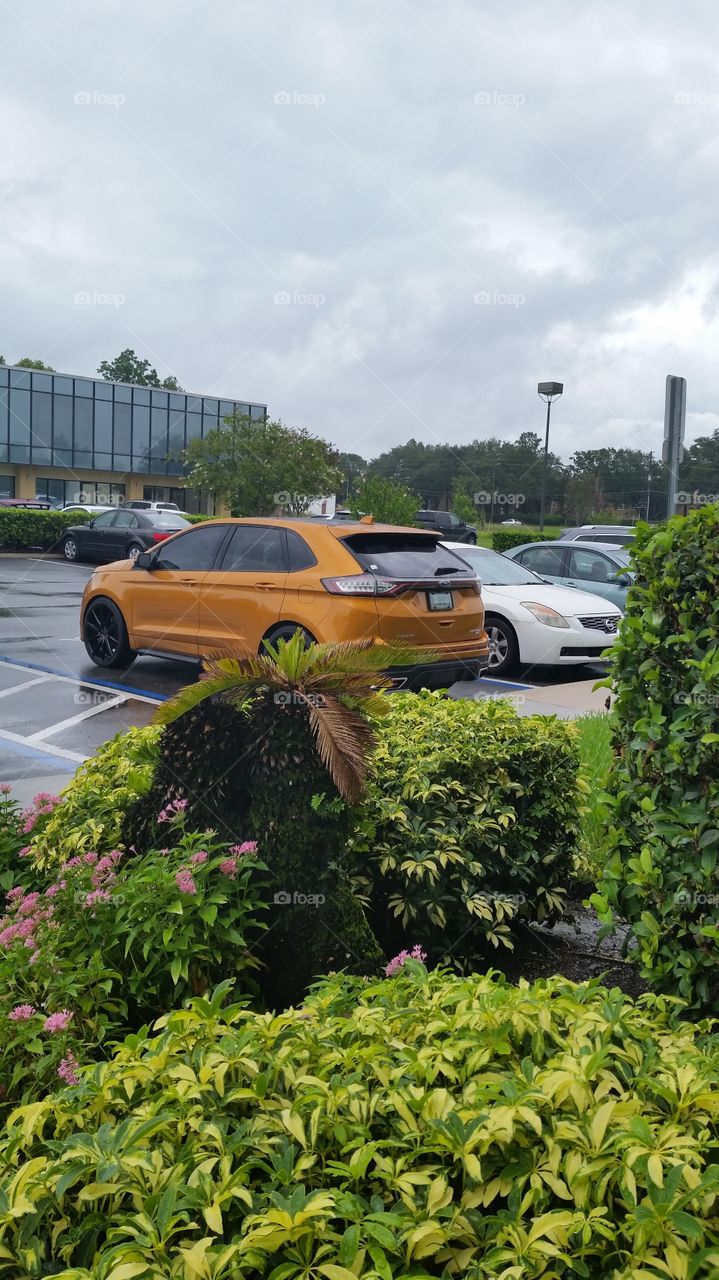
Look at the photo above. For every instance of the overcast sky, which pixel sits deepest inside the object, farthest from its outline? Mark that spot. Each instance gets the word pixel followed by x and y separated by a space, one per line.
pixel 382 219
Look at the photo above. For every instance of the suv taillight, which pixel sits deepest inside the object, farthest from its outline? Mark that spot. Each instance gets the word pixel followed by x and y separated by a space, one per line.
pixel 362 584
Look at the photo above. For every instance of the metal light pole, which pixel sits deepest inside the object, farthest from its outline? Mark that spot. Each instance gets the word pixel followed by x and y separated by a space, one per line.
pixel 547 391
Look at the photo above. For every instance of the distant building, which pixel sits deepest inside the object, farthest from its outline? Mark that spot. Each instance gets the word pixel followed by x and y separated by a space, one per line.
pixel 322 507
pixel 70 439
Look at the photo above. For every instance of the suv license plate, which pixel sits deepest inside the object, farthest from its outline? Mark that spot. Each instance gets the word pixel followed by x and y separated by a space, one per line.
pixel 439 599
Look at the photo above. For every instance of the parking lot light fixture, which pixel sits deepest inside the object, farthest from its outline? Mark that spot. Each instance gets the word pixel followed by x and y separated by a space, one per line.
pixel 547 391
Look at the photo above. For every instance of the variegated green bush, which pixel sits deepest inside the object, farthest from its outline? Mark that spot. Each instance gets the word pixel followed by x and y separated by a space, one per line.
pixel 423 1126
pixel 470 825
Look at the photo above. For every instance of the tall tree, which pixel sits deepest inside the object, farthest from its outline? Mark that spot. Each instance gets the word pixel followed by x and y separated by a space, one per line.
pixel 128 367
pixel 28 362
pixel 387 500
pixel 260 466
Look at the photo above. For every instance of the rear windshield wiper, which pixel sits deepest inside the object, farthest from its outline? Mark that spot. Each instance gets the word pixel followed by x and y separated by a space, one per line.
pixel 438 573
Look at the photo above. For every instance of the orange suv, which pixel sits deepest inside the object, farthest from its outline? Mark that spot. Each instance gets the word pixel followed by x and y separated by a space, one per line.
pixel 235 584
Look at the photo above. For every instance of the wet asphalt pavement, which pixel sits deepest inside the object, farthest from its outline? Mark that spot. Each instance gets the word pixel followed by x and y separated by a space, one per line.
pixel 56 707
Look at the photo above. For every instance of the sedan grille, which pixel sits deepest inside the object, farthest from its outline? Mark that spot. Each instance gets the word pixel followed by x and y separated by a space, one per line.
pixel 606 622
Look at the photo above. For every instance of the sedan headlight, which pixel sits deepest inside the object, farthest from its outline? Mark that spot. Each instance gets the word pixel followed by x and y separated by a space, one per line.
pixel 543 613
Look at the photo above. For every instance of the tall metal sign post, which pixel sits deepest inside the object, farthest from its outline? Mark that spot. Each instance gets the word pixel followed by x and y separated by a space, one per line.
pixel 675 413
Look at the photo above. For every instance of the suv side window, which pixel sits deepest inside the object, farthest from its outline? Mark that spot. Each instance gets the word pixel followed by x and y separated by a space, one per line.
pixel 300 555
pixel 194 551
pixel 255 548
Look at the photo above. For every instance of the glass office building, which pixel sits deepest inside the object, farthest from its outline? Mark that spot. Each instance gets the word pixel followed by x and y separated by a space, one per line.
pixel 72 439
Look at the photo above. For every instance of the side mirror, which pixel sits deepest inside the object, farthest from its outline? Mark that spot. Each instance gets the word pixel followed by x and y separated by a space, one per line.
pixel 144 560
pixel 624 580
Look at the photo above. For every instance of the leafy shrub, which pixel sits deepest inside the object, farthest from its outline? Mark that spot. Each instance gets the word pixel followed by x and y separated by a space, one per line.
pixel 661 875
pixel 113 941
pixel 421 1126
pixel 594 739
pixel 28 530
pixel 92 810
pixel 503 539
pixel 198 519
pixel 470 823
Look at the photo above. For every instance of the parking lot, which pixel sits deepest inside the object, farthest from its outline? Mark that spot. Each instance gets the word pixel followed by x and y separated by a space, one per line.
pixel 56 707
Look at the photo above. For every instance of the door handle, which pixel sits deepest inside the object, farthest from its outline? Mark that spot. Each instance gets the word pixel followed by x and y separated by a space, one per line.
pixel 266 586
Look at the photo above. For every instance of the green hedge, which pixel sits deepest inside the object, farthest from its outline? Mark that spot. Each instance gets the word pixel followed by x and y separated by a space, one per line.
pixel 470 825
pixel 503 539
pixel 28 530
pixel 662 873
pixel 198 519
pixel 421 1126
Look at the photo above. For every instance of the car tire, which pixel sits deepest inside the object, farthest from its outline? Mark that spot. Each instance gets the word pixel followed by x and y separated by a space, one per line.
pixel 134 550
pixel 285 631
pixel 105 635
pixel 70 550
pixel 503 646
pixel 472 539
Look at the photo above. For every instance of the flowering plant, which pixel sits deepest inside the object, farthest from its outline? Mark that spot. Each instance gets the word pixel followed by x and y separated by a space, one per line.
pixel 115 940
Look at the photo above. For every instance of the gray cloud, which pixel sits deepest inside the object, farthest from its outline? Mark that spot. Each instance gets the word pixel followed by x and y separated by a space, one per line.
pixel 386 220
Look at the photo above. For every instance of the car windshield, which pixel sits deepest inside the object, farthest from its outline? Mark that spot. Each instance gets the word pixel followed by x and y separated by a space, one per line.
pixel 405 555
pixel 166 520
pixel 494 570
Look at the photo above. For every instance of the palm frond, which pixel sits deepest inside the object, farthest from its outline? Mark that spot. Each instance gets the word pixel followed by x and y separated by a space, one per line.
pixel 344 742
pixel 208 686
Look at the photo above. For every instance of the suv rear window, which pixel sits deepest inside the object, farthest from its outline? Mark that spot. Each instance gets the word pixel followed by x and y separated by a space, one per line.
pixel 405 555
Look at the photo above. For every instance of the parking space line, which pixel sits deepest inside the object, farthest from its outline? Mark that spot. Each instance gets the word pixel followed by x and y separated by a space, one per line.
pixel 34 753
pixel 48 749
pixel 142 694
pixel 26 684
pixel 73 720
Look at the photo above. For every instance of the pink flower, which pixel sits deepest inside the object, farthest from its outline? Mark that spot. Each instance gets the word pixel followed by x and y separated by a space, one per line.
pixel 184 882
pixel 198 858
pixel 17 892
pixel 90 858
pixel 249 846
pixel 25 851
pixel 58 1022
pixel 28 904
pixel 37 953
pixel 172 811
pixel 5 788
pixel 52 890
pixel 28 825
pixel 229 868
pixel 397 962
pixel 22 1012
pixel 68 1069
pixel 97 895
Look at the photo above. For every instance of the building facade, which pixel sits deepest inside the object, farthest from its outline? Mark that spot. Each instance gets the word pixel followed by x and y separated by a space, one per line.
pixel 72 439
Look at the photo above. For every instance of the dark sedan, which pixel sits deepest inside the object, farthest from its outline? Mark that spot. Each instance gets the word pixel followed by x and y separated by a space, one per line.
pixel 120 534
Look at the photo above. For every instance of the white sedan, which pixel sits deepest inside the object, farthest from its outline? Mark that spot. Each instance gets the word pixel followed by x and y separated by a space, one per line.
pixel 534 622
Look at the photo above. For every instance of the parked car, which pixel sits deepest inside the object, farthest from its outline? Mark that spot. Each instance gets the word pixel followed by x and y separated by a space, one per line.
pixel 447 524
pixel 238 584
pixel 118 534
pixel 622 535
pixel 530 622
pixel 593 566
pixel 34 504
pixel 92 507
pixel 144 504
pixel 513 522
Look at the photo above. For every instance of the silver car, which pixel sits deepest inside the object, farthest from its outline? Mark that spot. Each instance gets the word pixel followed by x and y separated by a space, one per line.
pixel 592 566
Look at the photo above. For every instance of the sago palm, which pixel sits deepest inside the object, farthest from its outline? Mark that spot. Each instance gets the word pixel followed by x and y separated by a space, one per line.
pixel 277 746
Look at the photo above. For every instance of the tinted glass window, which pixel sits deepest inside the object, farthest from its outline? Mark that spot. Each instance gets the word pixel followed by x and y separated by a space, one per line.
pixel 619 539
pixel 405 555
pixel 546 561
pixel 254 549
pixel 164 520
pixel 195 550
pixel 126 520
pixel 107 517
pixel 300 555
pixel 591 565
